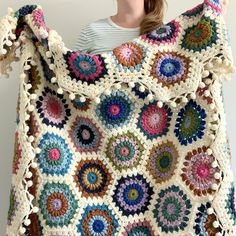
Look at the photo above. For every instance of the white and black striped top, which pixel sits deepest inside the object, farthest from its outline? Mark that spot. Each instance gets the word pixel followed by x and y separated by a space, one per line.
pixel 104 35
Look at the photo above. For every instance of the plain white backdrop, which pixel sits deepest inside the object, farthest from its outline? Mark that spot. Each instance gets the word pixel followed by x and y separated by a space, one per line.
pixel 67 17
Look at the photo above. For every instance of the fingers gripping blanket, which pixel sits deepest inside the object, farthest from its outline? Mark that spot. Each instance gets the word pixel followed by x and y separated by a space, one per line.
pixel 129 142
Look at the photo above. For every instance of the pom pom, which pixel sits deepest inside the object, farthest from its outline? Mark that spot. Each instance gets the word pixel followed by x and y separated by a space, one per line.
pixel 35 209
pixel 209 151
pixel 210 210
pixel 131 84
pixel 205 73
pixel 53 79
pixel 150 97
pixel 217 175
pixel 34 165
pixel 97 100
pixel 31 138
pixel 160 104
pixel 27 222
pixel 33 96
pixel 207 93
pixel 193 95
pixel 214 186
pixel 141 88
pixel 29 183
pixel 22 230
pixel 82 99
pixel 52 66
pixel 184 100
pixel 173 104
pixel 216 224
pixel 28 175
pixel 31 107
pixel 214 164
pixel 202 85
pixel 72 96
pixel 48 54
pixel 22 76
pixel 60 90
pixel 37 150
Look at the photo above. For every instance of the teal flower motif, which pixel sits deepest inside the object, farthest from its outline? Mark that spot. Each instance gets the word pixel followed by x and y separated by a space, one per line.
pixel 55 156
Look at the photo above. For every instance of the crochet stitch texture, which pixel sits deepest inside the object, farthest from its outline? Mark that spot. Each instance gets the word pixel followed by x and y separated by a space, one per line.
pixel 125 143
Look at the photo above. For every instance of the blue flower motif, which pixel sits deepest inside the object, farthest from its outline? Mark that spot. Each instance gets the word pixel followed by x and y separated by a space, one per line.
pixel 55 156
pixel 98 220
pixel 133 194
pixel 115 110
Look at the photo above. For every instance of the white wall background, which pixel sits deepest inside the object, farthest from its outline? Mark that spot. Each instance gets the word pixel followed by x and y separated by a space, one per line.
pixel 68 17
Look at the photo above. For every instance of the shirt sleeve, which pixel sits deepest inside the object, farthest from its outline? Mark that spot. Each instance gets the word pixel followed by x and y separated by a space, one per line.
pixel 82 44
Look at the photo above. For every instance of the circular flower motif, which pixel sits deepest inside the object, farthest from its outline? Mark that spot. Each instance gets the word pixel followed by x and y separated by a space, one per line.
pixel 231 203
pixel 38 18
pixel 17 154
pixel 85 67
pixel 128 54
pixel 165 34
pixel 115 110
pixel 204 222
pixel 198 172
pixel 98 220
pixel 194 11
pixel 200 36
pixel 132 195
pixel 172 209
pixel 55 156
pixel 85 135
pixel 154 121
pixel 57 204
pixel 52 108
pixel 142 228
pixel 170 68
pixel 92 178
pixel 214 4
pixel 12 207
pixel 162 161
pixel 190 123
pixel 124 150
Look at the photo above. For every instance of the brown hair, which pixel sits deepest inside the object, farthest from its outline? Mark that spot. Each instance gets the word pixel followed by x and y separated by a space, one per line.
pixel 154 10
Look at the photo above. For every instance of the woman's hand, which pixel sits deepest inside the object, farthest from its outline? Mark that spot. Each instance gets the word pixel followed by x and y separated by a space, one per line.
pixel 224 5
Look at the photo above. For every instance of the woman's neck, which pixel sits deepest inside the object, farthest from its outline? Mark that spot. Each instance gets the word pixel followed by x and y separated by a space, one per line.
pixel 130 13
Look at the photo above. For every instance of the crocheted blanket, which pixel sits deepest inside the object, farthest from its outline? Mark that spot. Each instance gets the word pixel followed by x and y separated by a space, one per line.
pixel 128 142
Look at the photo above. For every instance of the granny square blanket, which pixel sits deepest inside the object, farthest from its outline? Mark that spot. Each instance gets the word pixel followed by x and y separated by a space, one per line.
pixel 130 142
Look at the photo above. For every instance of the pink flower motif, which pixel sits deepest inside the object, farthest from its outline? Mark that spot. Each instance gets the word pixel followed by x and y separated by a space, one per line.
pixel 85 66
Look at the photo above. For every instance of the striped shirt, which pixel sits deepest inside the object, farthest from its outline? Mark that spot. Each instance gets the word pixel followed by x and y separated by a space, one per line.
pixel 103 35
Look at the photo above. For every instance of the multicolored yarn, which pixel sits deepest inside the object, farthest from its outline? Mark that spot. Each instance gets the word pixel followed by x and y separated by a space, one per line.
pixel 130 142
